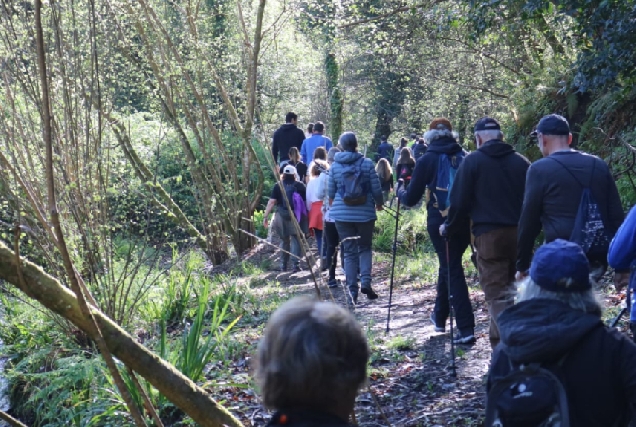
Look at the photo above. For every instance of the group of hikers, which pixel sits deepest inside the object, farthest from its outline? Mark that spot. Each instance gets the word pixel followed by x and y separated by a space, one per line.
pixel 551 350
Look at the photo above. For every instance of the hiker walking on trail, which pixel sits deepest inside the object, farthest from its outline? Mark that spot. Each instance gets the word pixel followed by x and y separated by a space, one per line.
pixel 405 166
pixel 556 325
pixel 310 364
pixel 296 161
pixel 332 238
pixel 433 175
pixel 571 195
pixel 488 190
pixel 310 130
pixel 317 180
pixel 383 169
pixel 419 149
pixel 355 194
pixel 317 140
pixel 286 137
pixel 284 219
pixel 385 150
pixel 396 156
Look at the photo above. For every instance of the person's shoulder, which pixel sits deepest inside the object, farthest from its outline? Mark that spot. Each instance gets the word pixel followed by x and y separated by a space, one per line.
pixel 520 158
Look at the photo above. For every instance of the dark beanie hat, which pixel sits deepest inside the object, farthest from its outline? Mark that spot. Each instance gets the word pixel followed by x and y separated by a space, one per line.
pixel 561 266
pixel 439 123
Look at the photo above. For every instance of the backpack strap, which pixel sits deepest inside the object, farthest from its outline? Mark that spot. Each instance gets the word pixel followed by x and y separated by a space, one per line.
pixel 574 176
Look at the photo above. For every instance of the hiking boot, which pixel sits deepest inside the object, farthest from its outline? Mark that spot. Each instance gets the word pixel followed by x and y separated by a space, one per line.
pixel 434 322
pixel 369 292
pixel 333 283
pixel 296 269
pixel 467 338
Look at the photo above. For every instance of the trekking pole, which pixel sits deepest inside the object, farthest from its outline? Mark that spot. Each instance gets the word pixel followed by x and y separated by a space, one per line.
pixel 397 219
pixel 450 306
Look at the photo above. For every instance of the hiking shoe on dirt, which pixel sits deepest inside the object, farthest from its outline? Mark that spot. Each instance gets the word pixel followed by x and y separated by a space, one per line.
pixel 369 292
pixel 464 338
pixel 434 322
pixel 296 269
pixel 333 283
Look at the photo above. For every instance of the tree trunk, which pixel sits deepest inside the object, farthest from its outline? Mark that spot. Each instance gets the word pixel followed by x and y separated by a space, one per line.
pixel 335 95
pixel 180 390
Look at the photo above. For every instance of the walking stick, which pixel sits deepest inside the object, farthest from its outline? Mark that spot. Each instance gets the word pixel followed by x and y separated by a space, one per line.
pixel 450 306
pixel 397 219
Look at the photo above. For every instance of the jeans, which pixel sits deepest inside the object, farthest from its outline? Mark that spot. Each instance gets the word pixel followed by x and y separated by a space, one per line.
pixel 464 317
pixel 496 259
pixel 295 249
pixel 318 234
pixel 357 252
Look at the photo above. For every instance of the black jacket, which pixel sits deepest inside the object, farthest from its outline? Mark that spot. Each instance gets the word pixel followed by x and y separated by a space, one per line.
pixel 489 188
pixel 553 195
pixel 599 372
pixel 306 418
pixel 286 137
pixel 425 173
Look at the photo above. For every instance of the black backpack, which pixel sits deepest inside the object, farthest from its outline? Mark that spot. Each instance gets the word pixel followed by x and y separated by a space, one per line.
pixel 290 189
pixel 529 396
pixel 352 190
pixel 589 231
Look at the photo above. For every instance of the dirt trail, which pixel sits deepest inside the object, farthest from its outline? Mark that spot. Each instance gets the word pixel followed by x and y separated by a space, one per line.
pixel 411 384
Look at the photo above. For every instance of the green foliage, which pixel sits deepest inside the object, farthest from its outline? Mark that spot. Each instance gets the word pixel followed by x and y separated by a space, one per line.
pixel 411 231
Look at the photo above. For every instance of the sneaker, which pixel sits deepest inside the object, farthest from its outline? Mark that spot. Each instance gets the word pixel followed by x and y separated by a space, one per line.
pixel 369 292
pixel 434 322
pixel 464 338
pixel 333 283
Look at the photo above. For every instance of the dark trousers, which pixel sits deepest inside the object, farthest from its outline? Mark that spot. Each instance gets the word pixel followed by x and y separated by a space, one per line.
pixel 332 242
pixel 464 317
pixel 496 259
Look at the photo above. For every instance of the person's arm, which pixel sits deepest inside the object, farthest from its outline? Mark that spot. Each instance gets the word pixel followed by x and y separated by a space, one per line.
pixel 622 249
pixel 275 149
pixel 328 145
pixel 311 187
pixel 303 151
pixel 376 186
pixel 331 186
pixel 270 205
pixel 530 221
pixel 461 199
pixel 422 175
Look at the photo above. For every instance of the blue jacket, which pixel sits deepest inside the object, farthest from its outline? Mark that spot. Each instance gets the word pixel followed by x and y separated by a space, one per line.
pixel 622 250
pixel 362 213
pixel 310 145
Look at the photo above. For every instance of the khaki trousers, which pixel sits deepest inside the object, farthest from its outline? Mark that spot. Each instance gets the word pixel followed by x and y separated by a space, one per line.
pixel 496 258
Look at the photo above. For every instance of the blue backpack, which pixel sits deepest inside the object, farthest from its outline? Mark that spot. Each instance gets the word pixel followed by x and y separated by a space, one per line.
pixel 446 170
pixel 352 189
pixel 589 230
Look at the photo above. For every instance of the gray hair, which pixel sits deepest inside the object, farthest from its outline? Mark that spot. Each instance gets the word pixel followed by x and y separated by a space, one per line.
pixel 313 354
pixel 489 134
pixel 585 301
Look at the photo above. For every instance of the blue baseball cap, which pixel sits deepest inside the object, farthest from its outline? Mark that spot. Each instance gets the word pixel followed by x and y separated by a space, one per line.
pixel 556 262
pixel 553 124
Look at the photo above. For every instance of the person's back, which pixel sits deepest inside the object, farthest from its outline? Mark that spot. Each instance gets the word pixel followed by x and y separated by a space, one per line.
pixel 557 324
pixel 419 149
pixel 385 150
pixel 494 176
pixel 315 141
pixel 286 137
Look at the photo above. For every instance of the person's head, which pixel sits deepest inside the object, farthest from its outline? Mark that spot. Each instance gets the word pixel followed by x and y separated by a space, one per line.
pixel 383 168
pixel 320 153
pixel 406 157
pixel 310 128
pixel 289 173
pixel 553 134
pixel 560 271
pixel 413 135
pixel 403 142
pixel 318 166
pixel 319 128
pixel 294 154
pixel 421 141
pixel 313 355
pixel 487 129
pixel 418 136
pixel 383 138
pixel 440 127
pixel 291 117
pixel 331 155
pixel 348 142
